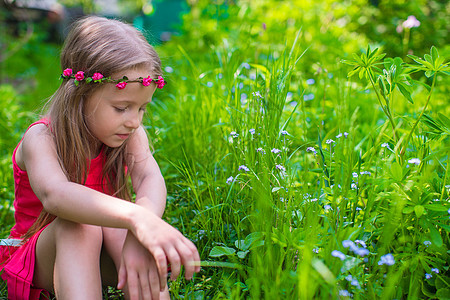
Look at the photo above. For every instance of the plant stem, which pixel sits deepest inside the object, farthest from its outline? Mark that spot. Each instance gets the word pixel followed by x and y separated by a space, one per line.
pixel 402 152
pixel 385 110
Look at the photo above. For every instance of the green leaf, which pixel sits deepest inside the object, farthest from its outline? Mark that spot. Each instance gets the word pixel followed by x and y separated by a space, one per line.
pixel 396 171
pixel 419 210
pixel 219 251
pixel 436 207
pixel 434 53
pixel 443 294
pixel 435 236
pixel 89 79
pixel 404 89
pixel 407 210
pixel 242 254
pixel 428 58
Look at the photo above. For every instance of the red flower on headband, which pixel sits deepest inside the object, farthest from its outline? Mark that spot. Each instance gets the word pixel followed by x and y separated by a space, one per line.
pixel 67 72
pixel 97 76
pixel 146 81
pixel 79 76
pixel 160 83
pixel 121 85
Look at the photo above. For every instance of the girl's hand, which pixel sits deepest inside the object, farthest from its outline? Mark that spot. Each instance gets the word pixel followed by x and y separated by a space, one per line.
pixel 166 244
pixel 138 271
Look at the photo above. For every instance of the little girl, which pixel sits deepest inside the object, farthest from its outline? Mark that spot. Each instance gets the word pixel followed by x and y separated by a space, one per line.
pixel 77 228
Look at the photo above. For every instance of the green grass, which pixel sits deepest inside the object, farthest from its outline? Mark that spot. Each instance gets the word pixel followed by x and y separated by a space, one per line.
pixel 271 229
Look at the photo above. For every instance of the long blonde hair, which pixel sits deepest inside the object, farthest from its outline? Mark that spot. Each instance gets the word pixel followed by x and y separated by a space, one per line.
pixel 106 46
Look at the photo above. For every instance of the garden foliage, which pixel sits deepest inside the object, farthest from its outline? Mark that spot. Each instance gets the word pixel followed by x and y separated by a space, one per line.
pixel 303 161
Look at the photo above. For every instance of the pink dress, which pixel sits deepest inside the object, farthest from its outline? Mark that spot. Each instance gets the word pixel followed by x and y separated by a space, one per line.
pixel 17 262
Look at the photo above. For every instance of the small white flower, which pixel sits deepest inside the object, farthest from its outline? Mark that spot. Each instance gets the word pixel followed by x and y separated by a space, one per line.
pixel 327 207
pixel 427 243
pixel 261 150
pixel 284 132
pixel 365 173
pixel 234 134
pixel 230 180
pixel 354 186
pixel 411 22
pixel 414 161
pixel 339 135
pixel 345 134
pixel 329 141
pixel 257 94
pixel 355 175
pixel 252 131
pixel 243 168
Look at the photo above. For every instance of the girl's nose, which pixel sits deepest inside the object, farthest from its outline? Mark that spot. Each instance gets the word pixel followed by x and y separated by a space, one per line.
pixel 133 121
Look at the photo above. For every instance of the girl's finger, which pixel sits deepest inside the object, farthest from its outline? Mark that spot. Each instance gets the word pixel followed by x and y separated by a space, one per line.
pixel 196 256
pixel 161 262
pixel 188 258
pixel 175 262
pixel 146 292
pixel 133 286
pixel 121 277
pixel 153 278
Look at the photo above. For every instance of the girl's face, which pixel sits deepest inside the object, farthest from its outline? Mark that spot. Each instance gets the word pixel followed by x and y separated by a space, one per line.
pixel 112 115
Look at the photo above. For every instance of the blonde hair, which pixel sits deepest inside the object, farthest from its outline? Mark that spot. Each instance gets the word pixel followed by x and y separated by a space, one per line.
pixel 107 46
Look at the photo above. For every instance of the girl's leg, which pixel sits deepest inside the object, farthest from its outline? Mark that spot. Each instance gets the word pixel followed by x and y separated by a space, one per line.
pixel 67 260
pixel 113 239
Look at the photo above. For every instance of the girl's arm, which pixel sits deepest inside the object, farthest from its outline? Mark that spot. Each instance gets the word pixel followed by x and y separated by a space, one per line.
pixel 148 183
pixel 81 204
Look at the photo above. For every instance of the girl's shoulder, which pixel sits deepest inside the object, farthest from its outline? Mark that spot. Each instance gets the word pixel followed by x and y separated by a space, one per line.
pixel 34 136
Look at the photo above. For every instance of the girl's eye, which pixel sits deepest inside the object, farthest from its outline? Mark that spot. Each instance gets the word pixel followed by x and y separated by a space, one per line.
pixel 120 109
pixel 143 108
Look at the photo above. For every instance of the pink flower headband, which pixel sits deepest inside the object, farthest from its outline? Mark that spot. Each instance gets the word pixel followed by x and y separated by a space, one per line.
pixel 120 83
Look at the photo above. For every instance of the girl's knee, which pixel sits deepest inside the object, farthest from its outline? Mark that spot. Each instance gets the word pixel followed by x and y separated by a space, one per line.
pixel 68 231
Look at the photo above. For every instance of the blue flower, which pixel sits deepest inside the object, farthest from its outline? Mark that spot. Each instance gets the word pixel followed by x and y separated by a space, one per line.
pixel 387 259
pixel 338 254
pixel 280 167
pixel 311 149
pixel 230 180
pixel 355 175
pixel 339 135
pixel 428 276
pixel 310 81
pixel 344 293
pixel 365 173
pixel 361 252
pixel 347 243
pixel 329 141
pixel 252 131
pixel 243 168
pixel 275 150
pixel 362 243
pixel 308 97
pixel 284 132
pixel 327 207
pixel 261 150
pixel 427 243
pixel 435 270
